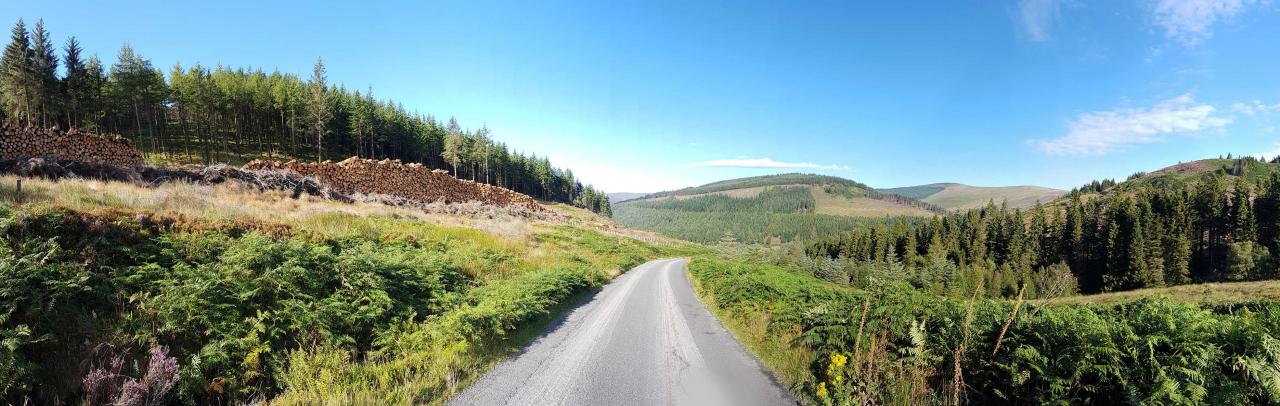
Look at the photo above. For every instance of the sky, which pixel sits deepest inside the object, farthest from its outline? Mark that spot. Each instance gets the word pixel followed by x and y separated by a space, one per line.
pixel 643 96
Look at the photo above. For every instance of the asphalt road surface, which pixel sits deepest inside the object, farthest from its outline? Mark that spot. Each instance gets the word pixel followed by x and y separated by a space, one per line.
pixel 645 339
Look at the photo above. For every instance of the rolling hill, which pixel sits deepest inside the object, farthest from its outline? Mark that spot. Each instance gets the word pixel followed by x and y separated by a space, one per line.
pixel 619 197
pixel 767 209
pixel 956 196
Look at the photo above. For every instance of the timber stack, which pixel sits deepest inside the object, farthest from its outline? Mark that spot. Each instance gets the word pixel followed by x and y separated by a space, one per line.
pixel 73 145
pixel 391 177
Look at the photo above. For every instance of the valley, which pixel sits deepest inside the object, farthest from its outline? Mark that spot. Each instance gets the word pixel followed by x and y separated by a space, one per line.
pixel 232 217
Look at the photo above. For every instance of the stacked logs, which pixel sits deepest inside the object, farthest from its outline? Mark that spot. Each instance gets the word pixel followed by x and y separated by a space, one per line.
pixel 391 177
pixel 73 145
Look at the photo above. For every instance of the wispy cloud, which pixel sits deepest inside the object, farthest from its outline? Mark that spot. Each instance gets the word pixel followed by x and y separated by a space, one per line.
pixel 1099 133
pixel 1191 21
pixel 1036 17
pixel 762 163
pixel 1255 107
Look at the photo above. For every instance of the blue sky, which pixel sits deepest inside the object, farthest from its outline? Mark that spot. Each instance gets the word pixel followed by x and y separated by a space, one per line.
pixel 651 95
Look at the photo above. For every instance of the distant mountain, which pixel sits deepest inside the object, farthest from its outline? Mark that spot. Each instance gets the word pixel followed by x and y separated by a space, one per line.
pixel 768 209
pixel 619 197
pixel 956 196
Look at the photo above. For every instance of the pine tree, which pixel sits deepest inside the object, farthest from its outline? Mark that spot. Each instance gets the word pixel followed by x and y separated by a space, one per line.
pixel 75 84
pixel 136 88
pixel 453 145
pixel 1210 205
pixel 18 76
pixel 479 153
pixel 1153 273
pixel 95 81
pixel 361 120
pixel 318 106
pixel 1267 213
pixel 44 65
pixel 1244 227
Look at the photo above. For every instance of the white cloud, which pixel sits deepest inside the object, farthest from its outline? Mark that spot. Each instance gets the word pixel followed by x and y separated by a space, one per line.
pixel 1037 17
pixel 1274 152
pixel 1101 132
pixel 1254 108
pixel 763 163
pixel 1191 21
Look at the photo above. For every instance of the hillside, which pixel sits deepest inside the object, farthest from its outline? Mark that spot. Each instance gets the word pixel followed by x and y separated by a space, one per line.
pixel 766 209
pixel 248 113
pixel 1251 170
pixel 615 198
pixel 766 180
pixel 1202 221
pixel 956 196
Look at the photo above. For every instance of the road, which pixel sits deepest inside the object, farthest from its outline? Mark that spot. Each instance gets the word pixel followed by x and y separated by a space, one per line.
pixel 644 339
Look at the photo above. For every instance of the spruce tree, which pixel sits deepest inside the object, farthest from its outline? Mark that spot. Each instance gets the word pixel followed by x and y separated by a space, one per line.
pixel 479 154
pixel 1244 227
pixel 453 145
pixel 75 84
pixel 318 106
pixel 44 66
pixel 17 76
pixel 95 81
pixel 1210 206
pixel 1267 213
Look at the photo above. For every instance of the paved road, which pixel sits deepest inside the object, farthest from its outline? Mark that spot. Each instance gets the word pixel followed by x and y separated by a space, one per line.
pixel 644 339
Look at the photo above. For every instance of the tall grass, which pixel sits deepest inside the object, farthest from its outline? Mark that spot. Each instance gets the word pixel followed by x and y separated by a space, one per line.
pixel 1149 351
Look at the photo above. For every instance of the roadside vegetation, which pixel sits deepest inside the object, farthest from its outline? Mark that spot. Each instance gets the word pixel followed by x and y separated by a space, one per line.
pixel 220 294
pixel 889 342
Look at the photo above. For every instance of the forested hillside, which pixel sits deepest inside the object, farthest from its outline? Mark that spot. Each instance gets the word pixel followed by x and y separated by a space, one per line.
pixel 766 209
pixel 203 114
pixel 777 214
pixel 766 180
pixel 1218 223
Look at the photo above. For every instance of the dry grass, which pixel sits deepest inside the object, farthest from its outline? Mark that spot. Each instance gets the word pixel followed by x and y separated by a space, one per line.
pixel 838 205
pixel 232 202
pixel 1199 293
pixel 955 196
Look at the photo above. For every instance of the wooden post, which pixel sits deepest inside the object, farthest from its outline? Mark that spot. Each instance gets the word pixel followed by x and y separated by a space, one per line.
pixel 18 198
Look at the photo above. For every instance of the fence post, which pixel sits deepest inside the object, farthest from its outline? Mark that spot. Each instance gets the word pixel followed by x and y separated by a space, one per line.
pixel 18 199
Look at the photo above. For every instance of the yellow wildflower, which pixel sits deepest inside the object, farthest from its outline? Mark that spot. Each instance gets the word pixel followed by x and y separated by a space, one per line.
pixel 822 390
pixel 838 360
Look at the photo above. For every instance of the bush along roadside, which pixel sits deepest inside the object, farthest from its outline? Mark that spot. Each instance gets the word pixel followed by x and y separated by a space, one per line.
pixel 892 344
pixel 108 309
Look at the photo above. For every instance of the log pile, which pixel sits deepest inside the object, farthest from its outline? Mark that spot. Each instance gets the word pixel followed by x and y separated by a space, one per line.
pixel 73 145
pixel 391 177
